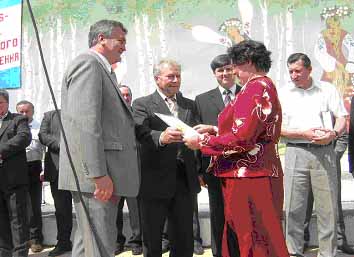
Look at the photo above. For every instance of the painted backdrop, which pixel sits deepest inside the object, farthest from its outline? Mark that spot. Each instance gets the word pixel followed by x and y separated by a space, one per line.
pixel 192 32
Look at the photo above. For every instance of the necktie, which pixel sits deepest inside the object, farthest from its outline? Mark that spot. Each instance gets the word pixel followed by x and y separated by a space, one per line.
pixel 114 77
pixel 227 96
pixel 172 105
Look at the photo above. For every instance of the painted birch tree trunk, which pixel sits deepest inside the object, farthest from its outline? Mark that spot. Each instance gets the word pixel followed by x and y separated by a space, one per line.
pixel 162 35
pixel 27 72
pixel 52 58
pixel 304 27
pixel 264 9
pixel 280 29
pixel 61 61
pixel 289 46
pixel 141 57
pixel 289 41
pixel 37 88
pixel 149 53
pixel 73 30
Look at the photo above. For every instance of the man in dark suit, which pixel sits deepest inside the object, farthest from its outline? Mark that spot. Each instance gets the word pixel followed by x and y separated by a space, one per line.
pixel 34 154
pixel 134 241
pixel 49 135
pixel 209 105
pixel 15 136
pixel 169 176
pixel 100 129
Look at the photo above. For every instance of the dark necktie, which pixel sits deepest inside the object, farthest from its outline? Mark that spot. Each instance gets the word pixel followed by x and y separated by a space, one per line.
pixel 114 77
pixel 227 96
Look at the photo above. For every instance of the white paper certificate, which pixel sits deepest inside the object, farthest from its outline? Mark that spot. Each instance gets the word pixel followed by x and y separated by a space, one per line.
pixel 327 120
pixel 178 124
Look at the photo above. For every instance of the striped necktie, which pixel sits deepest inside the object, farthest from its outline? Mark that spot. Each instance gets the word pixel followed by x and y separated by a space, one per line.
pixel 172 105
pixel 227 96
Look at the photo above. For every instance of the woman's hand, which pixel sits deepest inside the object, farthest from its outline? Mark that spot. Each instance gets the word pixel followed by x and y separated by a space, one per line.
pixel 192 142
pixel 202 129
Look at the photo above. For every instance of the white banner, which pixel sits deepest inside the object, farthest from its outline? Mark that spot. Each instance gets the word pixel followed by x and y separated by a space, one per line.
pixel 10 43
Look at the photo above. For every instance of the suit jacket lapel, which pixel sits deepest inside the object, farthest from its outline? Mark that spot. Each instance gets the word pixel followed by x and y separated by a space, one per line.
pixel 238 89
pixel 182 110
pixel 114 83
pixel 159 104
pixel 5 124
pixel 216 99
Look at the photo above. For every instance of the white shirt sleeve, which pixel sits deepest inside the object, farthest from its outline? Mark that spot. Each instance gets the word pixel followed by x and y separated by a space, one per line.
pixel 335 101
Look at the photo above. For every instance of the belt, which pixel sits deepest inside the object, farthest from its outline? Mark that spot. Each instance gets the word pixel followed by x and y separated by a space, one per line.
pixel 307 145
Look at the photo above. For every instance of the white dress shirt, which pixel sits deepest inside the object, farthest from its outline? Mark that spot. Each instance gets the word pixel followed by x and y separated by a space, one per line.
pixel 232 95
pixel 35 150
pixel 104 60
pixel 303 108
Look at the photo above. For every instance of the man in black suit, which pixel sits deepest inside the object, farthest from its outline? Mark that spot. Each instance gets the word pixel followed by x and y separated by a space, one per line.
pixel 34 154
pixel 134 241
pixel 49 135
pixel 15 136
pixel 209 105
pixel 169 175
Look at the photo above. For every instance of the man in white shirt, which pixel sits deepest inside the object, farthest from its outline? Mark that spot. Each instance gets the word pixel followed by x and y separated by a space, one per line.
pixel 34 154
pixel 307 130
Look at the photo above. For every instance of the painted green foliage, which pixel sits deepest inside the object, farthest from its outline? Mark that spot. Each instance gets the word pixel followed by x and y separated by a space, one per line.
pixel 83 12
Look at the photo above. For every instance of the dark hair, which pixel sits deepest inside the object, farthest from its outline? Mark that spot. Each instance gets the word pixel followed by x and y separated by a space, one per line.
pixel 299 56
pixel 220 61
pixel 251 51
pixel 130 91
pixel 4 94
pixel 25 102
pixel 104 27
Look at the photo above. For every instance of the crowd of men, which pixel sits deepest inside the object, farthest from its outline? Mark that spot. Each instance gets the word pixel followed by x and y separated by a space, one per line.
pixel 123 152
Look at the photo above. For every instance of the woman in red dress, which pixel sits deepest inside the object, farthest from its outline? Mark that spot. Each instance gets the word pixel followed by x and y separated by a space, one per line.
pixel 244 155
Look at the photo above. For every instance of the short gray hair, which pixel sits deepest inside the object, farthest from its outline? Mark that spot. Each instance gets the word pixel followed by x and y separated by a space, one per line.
pixel 163 63
pixel 104 27
pixel 4 94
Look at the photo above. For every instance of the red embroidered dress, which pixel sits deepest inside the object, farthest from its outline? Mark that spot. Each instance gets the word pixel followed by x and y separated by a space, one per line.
pixel 249 130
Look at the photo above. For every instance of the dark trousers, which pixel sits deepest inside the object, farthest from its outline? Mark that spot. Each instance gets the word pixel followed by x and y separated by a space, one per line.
pixel 14 227
pixel 196 226
pixel 216 205
pixel 35 192
pixel 179 212
pixel 339 149
pixel 63 212
pixel 134 219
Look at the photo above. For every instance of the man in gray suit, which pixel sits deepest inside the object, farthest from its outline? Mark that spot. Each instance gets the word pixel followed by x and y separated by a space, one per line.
pixel 100 130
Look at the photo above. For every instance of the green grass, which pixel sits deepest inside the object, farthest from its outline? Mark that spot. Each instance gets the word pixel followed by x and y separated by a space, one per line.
pixel 281 149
